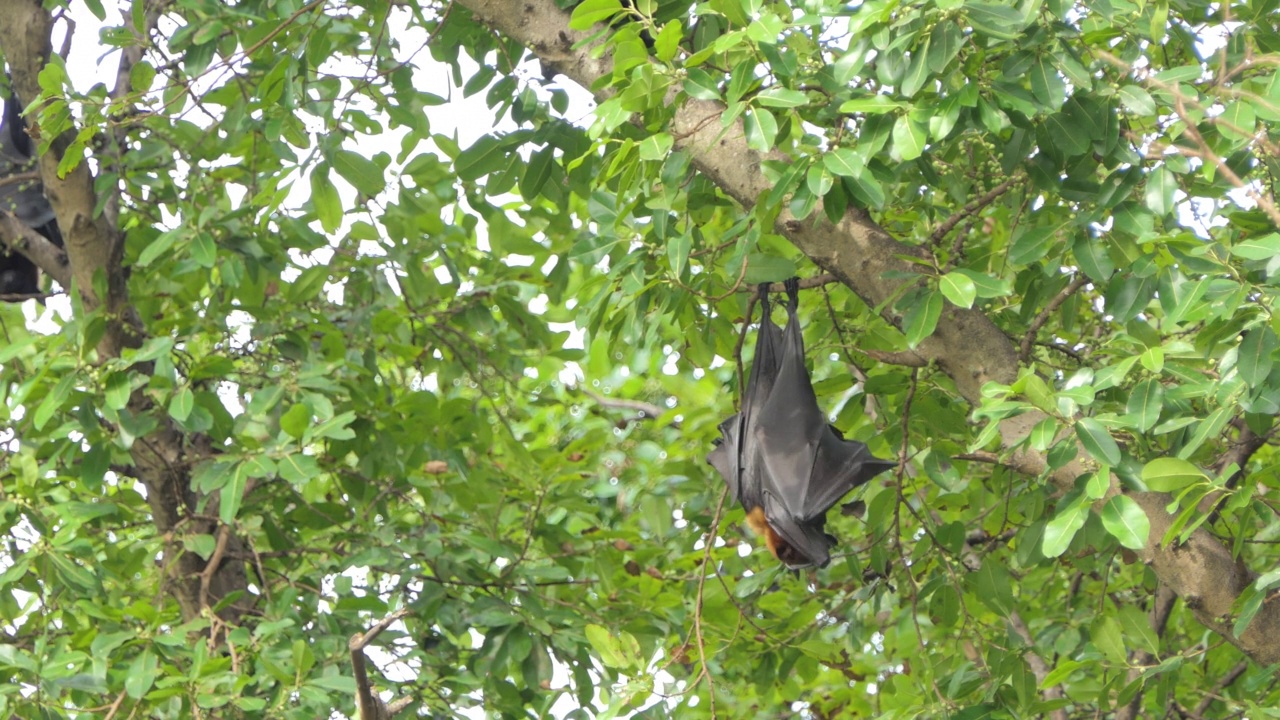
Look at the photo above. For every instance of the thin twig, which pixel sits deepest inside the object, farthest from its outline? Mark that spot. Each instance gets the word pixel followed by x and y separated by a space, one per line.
pixel 1043 316
pixel 1223 683
pixel 646 410
pixel 974 206
pixel 805 283
pixel 215 560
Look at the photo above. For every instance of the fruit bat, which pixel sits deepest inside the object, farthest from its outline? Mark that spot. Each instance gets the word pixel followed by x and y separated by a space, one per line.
pixel 23 195
pixel 779 456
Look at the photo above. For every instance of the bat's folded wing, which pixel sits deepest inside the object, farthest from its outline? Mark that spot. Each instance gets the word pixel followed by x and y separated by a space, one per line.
pixel 724 456
pixel 732 456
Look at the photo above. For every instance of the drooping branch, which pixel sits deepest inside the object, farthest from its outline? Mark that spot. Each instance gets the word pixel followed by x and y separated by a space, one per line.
pixel 967 345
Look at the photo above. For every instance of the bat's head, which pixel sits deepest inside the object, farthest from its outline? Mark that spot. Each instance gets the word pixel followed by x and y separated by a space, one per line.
pixel 792 555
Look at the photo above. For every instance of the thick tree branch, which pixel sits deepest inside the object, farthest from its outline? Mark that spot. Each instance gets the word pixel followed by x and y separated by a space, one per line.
pixel 863 256
pixel 50 258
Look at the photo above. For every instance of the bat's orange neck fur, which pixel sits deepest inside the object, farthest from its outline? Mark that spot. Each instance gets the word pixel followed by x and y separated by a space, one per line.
pixel 760 526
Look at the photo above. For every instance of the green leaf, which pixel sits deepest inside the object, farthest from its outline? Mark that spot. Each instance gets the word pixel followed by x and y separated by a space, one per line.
pixel 768 268
pixel 231 495
pixel 872 105
pixel 781 98
pixel 182 403
pixel 590 12
pixel 1125 520
pixel 296 420
pixel 1091 255
pixel 917 70
pixel 818 180
pixel 1060 673
pixel 1161 186
pixel 1170 474
pixel 667 42
pixel 54 400
pixel 537 172
pixel 1071 138
pixel 986 285
pixel 1046 84
pixel 701 85
pixel 656 146
pixel 1256 355
pixel 1137 100
pixel 997 21
pixel 844 162
pixel 995 588
pixel 1060 531
pixel 922 318
pixel 486 155
pixel 1031 245
pixel 944 44
pixel 324 198
pixel 364 174
pixel 761 129
pixel 1260 248
pixel 1107 637
pixel 1095 438
pixel 958 288
pixel 908 138
pixel 141 674
pixel 616 651
pixel 157 247
pixel 1237 121
pixel 298 468
pixel 1211 426
pixel 678 249
pixel 1145 404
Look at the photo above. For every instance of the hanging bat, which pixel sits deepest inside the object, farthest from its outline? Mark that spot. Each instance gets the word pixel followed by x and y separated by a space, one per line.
pixel 780 457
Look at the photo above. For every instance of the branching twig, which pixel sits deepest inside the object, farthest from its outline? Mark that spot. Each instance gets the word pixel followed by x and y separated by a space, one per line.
pixel 805 283
pixel 369 705
pixel 647 411
pixel 1223 683
pixel 1043 316
pixel 974 206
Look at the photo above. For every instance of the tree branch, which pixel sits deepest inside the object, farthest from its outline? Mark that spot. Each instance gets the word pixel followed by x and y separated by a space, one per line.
pixel 370 706
pixel 15 235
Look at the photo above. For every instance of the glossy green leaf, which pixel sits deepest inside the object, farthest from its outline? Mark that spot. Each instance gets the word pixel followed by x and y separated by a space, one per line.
pixel 958 288
pixel 1257 355
pixel 1170 474
pixel 1062 529
pixel 1145 404
pixel 361 172
pixel 922 318
pixel 1126 522
pixel 1095 438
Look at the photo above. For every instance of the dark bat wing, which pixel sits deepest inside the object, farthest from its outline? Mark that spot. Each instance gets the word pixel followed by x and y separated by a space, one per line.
pixel 24 198
pixel 731 456
pixel 806 467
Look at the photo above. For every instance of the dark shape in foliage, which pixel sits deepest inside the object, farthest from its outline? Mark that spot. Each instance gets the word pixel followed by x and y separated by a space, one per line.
pixel 21 194
pixel 780 457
